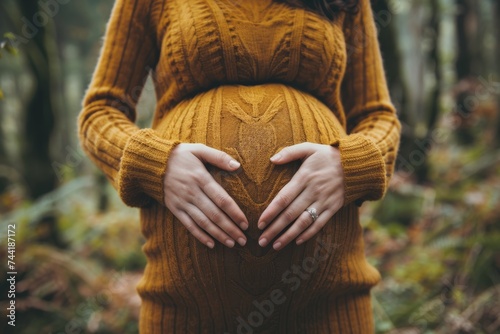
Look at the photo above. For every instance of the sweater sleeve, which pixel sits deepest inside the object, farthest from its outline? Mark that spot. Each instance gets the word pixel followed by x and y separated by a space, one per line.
pixel 369 150
pixel 133 159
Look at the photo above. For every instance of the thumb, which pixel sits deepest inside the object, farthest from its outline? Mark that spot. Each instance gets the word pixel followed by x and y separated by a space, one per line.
pixel 217 158
pixel 291 153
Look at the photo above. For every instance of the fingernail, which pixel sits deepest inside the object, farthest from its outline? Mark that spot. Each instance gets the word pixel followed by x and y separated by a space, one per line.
pixel 276 157
pixel 300 241
pixel 229 243
pixel 244 226
pixel 242 241
pixel 234 164
pixel 210 244
pixel 263 242
pixel 261 225
pixel 277 245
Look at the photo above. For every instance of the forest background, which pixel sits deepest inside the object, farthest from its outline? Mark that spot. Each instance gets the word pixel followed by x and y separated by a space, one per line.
pixel 435 236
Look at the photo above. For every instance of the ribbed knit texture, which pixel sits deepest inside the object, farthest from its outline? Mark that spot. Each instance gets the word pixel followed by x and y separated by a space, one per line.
pixel 246 77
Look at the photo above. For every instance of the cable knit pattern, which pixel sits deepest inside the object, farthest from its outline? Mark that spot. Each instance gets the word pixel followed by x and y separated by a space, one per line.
pixel 248 78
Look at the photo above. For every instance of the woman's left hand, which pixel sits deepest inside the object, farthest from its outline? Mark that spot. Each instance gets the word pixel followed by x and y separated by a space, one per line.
pixel 319 184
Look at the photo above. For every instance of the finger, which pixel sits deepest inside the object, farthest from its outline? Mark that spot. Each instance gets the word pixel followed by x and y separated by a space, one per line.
pixel 208 226
pixel 217 158
pixel 282 200
pixel 314 228
pixel 193 228
pixel 217 216
pixel 303 222
pixel 293 152
pixel 221 198
pixel 287 217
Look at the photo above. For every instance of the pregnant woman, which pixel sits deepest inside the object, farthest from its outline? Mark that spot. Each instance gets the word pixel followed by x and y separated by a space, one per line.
pixel 273 124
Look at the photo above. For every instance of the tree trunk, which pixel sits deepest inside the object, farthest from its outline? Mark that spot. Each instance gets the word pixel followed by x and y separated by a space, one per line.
pixel 391 55
pixel 393 66
pixel 467 39
pixel 3 152
pixel 466 68
pixel 496 21
pixel 434 99
pixel 37 30
pixel 39 109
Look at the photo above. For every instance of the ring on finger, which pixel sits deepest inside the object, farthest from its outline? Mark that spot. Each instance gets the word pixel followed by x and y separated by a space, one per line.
pixel 313 213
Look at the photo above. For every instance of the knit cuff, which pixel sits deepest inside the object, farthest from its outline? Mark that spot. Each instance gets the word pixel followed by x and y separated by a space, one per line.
pixel 364 169
pixel 142 168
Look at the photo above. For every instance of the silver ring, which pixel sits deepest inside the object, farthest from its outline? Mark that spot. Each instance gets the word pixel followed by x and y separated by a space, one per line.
pixel 313 212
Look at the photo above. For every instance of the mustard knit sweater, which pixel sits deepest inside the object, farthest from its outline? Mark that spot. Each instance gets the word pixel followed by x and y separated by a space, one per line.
pixel 247 77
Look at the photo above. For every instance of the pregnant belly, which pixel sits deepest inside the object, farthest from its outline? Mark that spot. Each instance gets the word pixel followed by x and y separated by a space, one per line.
pixel 251 123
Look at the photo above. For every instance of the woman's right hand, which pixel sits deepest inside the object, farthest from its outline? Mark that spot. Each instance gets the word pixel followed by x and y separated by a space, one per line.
pixel 197 200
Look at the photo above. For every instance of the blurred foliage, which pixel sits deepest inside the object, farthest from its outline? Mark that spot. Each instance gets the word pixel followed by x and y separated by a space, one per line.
pixel 96 293
pixel 441 268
